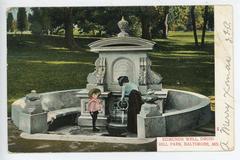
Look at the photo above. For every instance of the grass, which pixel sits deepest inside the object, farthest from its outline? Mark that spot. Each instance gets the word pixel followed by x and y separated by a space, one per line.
pixel 44 64
pixel 184 66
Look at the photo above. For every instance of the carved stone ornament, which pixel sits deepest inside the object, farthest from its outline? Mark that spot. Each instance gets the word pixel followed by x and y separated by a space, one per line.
pixel 143 72
pixel 33 103
pixel 147 76
pixel 152 77
pixel 32 96
pixel 123 26
pixel 97 77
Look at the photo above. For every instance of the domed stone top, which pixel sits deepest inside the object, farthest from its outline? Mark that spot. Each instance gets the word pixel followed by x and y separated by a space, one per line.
pixel 123 26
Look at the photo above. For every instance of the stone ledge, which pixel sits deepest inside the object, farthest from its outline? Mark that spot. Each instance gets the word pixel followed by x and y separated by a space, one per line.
pixel 85 138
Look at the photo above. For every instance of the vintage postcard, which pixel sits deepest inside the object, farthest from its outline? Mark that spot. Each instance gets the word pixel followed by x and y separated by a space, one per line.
pixel 120 78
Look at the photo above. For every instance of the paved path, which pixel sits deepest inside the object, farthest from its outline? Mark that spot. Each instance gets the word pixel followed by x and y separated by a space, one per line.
pixel 88 138
pixel 83 143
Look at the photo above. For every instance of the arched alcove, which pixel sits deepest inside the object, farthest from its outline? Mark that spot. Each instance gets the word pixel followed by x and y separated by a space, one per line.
pixel 123 67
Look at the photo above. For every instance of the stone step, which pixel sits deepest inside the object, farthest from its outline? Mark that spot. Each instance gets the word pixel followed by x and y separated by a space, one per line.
pixel 87 121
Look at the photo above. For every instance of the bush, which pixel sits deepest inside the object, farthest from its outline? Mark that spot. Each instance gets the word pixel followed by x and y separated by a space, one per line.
pixel 181 28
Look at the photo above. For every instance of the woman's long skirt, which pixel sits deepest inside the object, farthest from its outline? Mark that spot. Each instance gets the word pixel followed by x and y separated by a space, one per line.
pixel 135 103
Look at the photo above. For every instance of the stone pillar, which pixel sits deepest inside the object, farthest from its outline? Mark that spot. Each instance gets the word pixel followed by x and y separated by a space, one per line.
pixel 150 122
pixel 33 119
pixel 85 119
pixel 143 76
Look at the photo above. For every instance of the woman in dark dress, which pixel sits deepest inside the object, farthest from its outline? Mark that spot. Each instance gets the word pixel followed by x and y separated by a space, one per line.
pixel 135 101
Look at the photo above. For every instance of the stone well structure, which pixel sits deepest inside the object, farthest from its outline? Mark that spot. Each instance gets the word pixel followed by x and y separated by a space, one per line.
pixel 119 56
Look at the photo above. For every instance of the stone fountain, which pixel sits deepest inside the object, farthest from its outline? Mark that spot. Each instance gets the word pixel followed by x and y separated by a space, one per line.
pixel 118 56
pixel 165 111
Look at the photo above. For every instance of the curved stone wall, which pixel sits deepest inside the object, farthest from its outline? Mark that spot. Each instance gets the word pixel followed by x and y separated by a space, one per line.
pixel 50 101
pixel 186 110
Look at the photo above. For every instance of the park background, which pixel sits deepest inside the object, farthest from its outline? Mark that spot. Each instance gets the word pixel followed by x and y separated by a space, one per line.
pixel 48 47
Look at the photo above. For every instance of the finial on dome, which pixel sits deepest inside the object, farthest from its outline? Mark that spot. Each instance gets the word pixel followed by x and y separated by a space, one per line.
pixel 123 26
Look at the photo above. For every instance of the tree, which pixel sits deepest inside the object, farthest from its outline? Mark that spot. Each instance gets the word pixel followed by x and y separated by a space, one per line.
pixel 68 25
pixel 145 14
pixel 194 25
pixel 45 20
pixel 55 19
pixel 148 18
pixel 105 18
pixel 10 22
pixel 65 18
pixel 174 18
pixel 14 26
pixel 22 22
pixel 205 19
pixel 159 27
pixel 90 20
pixel 36 28
pixel 178 18
pixel 40 21
pixel 165 22
pixel 210 24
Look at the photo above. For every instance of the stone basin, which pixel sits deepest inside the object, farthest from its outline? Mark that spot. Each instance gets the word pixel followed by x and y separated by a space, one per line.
pixel 183 110
pixel 186 110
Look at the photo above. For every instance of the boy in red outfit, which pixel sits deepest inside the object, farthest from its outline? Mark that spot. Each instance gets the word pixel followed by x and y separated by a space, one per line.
pixel 94 105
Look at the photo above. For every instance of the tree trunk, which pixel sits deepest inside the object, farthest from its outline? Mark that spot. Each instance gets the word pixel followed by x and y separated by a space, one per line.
pixel 205 19
pixel 165 23
pixel 194 25
pixel 68 24
pixel 93 32
pixel 145 28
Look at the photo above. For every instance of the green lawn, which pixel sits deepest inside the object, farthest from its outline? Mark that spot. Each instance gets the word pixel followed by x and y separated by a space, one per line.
pixel 44 64
pixel 182 65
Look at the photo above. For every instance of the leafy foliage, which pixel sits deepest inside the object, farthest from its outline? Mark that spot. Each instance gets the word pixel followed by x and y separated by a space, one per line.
pixel 40 20
pixel 22 22
pixel 10 22
pixel 147 22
